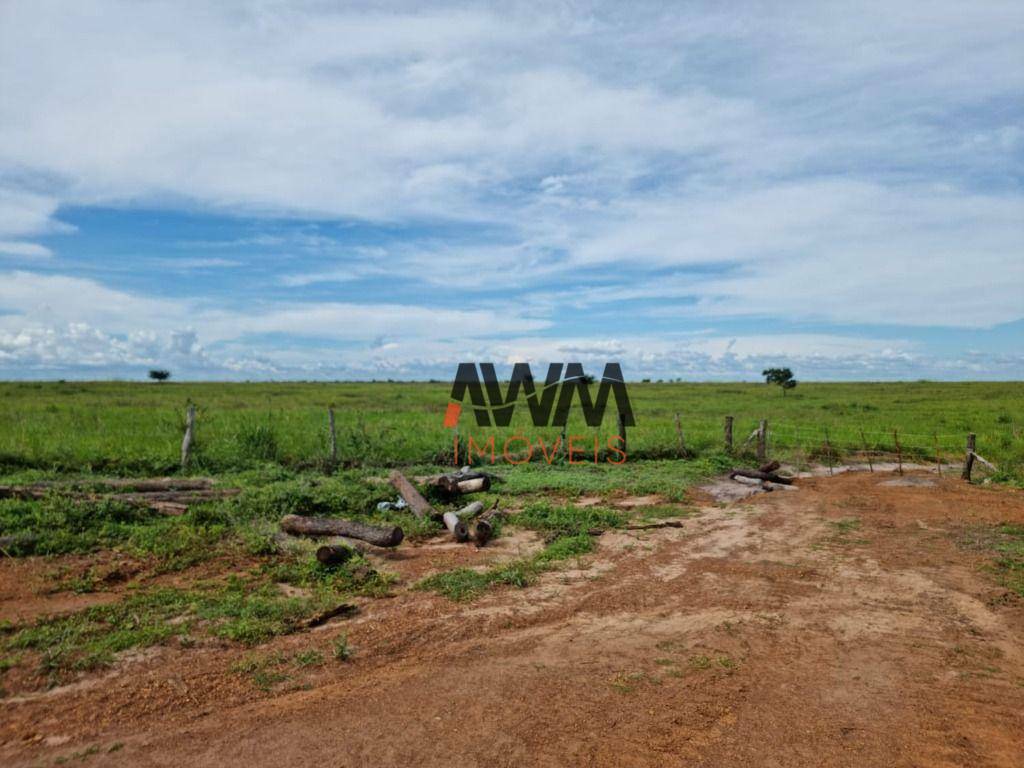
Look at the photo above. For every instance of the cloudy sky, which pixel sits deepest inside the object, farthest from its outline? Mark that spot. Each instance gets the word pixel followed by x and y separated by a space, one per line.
pixel 350 190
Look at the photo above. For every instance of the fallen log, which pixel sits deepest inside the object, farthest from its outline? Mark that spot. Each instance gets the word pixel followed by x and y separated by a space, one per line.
pixel 474 485
pixel 169 508
pixel 483 531
pixel 771 466
pixel 458 528
pixel 758 475
pixel 461 482
pixel 419 506
pixel 471 510
pixel 163 502
pixel 141 485
pixel 378 535
pixel 334 554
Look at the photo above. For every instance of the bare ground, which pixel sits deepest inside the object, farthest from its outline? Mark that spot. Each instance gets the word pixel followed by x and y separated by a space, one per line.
pixel 764 632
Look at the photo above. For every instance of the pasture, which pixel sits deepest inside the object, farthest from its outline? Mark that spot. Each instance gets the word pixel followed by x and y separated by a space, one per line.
pixel 136 428
pixel 617 595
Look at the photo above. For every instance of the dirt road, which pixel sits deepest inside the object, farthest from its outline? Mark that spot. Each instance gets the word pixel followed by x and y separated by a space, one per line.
pixel 847 623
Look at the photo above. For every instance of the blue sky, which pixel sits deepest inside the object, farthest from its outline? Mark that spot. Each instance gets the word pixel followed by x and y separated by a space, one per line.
pixel 327 190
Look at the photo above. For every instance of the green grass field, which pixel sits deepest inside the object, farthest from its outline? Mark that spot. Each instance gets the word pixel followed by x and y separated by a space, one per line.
pixel 128 428
pixel 270 441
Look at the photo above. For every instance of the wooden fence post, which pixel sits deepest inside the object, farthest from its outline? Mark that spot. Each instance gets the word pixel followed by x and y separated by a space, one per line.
pixel 186 443
pixel 899 450
pixel 828 452
pixel 622 430
pixel 728 434
pixel 938 459
pixel 679 434
pixel 969 458
pixel 762 440
pixel 332 437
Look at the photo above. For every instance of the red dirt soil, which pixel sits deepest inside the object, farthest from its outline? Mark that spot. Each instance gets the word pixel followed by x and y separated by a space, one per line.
pixel 760 633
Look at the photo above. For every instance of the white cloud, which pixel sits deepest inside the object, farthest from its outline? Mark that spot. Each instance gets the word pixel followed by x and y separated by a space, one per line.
pixel 27 250
pixel 803 162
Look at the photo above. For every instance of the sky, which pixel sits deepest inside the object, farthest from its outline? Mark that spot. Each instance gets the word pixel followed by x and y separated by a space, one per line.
pixel 315 190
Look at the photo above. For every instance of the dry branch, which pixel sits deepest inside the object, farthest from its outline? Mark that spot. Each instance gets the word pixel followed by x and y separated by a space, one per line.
pixel 345 609
pixel 987 463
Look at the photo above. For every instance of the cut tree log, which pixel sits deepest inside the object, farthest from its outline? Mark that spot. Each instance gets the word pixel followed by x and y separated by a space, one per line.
pixel 140 485
pixel 758 475
pixel 470 511
pixel 163 502
pixel 460 482
pixel 474 485
pixel 334 554
pixel 381 536
pixel 419 506
pixel 771 466
pixel 483 531
pixel 458 528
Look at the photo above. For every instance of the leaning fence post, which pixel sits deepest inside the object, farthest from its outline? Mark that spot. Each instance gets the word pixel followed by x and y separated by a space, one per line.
pixel 622 430
pixel 679 434
pixel 332 436
pixel 728 434
pixel 969 458
pixel 186 442
pixel 762 440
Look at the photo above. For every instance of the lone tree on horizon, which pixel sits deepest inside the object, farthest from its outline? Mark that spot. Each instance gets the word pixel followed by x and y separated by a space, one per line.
pixel 781 376
pixel 159 374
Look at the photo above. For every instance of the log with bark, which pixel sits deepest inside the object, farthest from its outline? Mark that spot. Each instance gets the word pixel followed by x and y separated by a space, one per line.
pixel 378 535
pixel 463 481
pixel 759 475
pixel 483 531
pixel 161 500
pixel 419 506
pixel 459 530
pixel 471 510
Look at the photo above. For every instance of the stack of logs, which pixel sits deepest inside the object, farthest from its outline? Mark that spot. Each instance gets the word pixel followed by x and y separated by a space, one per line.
pixel 355 536
pixel 764 476
pixel 165 495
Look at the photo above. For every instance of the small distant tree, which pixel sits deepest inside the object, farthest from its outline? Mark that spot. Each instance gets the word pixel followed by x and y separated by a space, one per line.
pixel 158 374
pixel 781 376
